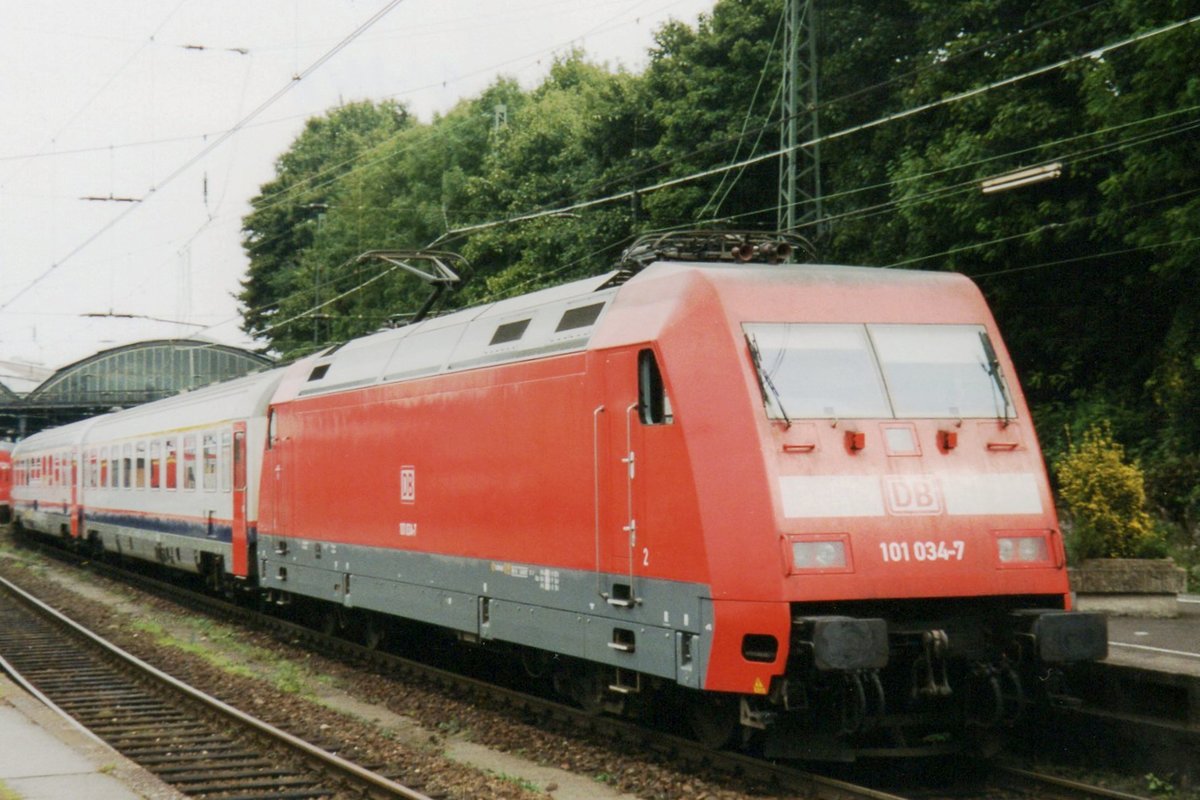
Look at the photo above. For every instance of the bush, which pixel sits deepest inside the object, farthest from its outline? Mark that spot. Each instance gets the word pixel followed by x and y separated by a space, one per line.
pixel 1173 486
pixel 1105 496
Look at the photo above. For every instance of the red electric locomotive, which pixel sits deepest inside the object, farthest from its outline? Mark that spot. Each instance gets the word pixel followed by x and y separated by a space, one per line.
pixel 805 501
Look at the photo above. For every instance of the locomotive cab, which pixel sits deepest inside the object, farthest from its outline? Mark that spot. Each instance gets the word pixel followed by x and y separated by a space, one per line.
pixel 887 572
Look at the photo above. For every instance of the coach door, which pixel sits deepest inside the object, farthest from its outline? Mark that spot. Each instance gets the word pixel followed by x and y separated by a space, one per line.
pixel 241 544
pixel 76 510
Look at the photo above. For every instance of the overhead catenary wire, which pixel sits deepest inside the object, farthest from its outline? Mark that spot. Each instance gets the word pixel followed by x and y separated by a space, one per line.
pixel 186 165
pixel 99 91
pixel 905 113
pixel 899 115
pixel 970 185
pixel 825 102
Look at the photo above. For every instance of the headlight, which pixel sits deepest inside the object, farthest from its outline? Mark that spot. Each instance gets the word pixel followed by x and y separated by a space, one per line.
pixel 1014 550
pixel 819 555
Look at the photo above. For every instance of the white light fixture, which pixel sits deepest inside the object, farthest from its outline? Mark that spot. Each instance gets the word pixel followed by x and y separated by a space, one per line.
pixel 1023 177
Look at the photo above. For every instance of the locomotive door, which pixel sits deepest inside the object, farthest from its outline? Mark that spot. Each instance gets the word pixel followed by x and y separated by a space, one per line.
pixel 240 538
pixel 275 497
pixel 632 391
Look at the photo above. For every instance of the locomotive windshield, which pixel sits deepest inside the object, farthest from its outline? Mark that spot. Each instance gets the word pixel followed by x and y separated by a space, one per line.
pixel 905 371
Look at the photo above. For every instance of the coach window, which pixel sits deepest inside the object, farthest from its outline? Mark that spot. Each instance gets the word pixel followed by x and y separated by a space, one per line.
pixel 654 407
pixel 172 463
pixel 189 462
pixel 226 459
pixel 210 462
pixel 126 466
pixel 155 464
pixel 139 466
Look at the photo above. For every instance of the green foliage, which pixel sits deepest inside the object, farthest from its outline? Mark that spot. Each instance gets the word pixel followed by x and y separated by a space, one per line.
pixel 1092 277
pixel 1159 786
pixel 1106 497
pixel 1173 485
pixel 281 233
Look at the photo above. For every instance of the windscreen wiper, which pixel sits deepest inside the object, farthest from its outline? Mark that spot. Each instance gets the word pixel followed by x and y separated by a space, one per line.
pixel 765 383
pixel 993 370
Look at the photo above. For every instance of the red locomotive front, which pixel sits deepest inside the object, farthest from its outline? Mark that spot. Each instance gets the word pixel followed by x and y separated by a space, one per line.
pixel 882 545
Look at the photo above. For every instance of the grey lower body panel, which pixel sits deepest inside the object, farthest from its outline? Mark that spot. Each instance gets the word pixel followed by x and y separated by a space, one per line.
pixel 662 630
pixel 176 544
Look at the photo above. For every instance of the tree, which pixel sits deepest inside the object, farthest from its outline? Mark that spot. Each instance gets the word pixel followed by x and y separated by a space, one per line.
pixel 289 210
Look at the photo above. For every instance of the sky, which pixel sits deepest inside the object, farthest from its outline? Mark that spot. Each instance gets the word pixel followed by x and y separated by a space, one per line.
pixel 135 132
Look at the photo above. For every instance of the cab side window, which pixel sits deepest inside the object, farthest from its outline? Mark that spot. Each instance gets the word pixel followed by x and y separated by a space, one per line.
pixel 654 407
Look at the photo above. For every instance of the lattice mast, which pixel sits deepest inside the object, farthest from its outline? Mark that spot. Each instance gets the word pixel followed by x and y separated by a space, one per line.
pixel 800 165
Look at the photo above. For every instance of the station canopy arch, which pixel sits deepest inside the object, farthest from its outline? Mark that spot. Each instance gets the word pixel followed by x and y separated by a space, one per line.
pixel 131 375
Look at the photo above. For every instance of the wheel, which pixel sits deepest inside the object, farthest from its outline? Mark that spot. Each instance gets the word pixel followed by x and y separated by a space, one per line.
pixel 374 632
pixel 332 621
pixel 713 719
pixel 536 663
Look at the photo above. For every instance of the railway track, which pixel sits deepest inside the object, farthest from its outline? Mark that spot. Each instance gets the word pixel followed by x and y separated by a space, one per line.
pixel 689 755
pixel 199 745
pixel 1048 786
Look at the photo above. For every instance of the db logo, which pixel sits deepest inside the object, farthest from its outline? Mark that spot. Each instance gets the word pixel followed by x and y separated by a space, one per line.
pixel 912 494
pixel 408 484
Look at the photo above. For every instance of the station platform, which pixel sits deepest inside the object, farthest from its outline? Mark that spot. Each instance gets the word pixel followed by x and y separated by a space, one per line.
pixel 1160 645
pixel 46 756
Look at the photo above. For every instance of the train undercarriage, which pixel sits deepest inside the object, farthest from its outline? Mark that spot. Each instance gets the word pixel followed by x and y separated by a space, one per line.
pixel 906 679
pixel 920 683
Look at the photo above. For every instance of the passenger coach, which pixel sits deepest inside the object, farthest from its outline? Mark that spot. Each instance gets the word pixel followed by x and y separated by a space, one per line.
pixel 174 481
